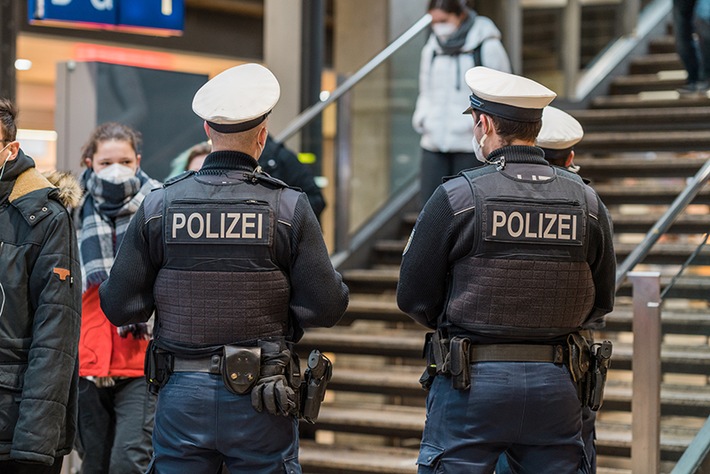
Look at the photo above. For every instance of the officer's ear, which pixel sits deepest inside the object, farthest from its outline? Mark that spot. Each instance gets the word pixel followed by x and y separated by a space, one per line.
pixel 207 129
pixel 569 159
pixel 263 133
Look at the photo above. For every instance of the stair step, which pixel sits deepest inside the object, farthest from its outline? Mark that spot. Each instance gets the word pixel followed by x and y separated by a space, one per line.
pixel 408 422
pixel 332 459
pixel 624 167
pixel 647 193
pixel 692 288
pixel 684 224
pixel 386 343
pixel 689 322
pixel 678 140
pixel 650 100
pixel 364 308
pixel 662 45
pixel 656 118
pixel 653 63
pixel 645 83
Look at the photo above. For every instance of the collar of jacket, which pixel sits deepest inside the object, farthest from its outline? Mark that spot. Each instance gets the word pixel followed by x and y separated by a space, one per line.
pixel 519 154
pixel 229 160
pixel 61 186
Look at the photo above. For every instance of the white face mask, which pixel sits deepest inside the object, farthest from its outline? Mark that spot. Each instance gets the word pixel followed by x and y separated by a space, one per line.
pixel 116 173
pixel 443 30
pixel 478 145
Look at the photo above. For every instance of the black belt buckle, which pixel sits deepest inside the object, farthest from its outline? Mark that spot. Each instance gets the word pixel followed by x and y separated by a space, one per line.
pixel 240 368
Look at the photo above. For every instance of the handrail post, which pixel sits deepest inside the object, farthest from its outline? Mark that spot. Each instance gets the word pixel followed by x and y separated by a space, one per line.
pixel 646 365
pixel 343 173
pixel 571 44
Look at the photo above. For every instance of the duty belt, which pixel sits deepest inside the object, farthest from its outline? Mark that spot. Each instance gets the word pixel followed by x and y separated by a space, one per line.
pixel 211 364
pixel 517 353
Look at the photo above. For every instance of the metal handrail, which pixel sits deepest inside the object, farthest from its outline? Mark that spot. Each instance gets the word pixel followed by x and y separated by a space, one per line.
pixel 617 53
pixel 697 456
pixel 302 119
pixel 662 225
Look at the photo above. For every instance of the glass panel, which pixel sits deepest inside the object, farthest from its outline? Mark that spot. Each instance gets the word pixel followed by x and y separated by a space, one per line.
pixel 384 147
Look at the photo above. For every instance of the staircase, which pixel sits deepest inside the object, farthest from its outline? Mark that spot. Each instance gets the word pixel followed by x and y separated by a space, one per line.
pixel 639 149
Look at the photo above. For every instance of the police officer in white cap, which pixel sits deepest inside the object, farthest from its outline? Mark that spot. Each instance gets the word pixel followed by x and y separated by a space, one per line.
pixel 234 265
pixel 506 263
pixel 559 134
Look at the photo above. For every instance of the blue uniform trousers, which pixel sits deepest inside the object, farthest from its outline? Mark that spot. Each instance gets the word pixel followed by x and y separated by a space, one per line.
pixel 199 424
pixel 589 437
pixel 528 409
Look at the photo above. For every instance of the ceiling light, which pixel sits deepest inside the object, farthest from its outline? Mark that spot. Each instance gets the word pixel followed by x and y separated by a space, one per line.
pixel 23 64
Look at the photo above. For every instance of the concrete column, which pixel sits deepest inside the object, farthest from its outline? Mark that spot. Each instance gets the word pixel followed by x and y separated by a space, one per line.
pixel 282 55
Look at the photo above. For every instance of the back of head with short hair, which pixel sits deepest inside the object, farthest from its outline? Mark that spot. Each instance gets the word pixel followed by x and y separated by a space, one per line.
pixel 239 141
pixel 509 130
pixel 8 116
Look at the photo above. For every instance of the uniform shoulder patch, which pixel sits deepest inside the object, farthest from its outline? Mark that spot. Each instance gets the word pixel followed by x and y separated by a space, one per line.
pixel 265 177
pixel 178 178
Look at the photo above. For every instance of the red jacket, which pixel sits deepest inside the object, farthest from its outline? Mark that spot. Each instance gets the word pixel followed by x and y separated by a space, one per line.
pixel 102 352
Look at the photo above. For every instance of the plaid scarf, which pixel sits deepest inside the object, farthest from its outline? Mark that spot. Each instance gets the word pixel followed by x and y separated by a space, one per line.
pixel 105 214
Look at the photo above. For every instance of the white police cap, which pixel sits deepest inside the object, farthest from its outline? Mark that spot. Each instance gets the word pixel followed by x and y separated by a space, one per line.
pixel 559 130
pixel 506 95
pixel 237 99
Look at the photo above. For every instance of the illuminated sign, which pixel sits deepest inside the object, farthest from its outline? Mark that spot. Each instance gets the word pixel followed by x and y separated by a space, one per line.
pixel 164 17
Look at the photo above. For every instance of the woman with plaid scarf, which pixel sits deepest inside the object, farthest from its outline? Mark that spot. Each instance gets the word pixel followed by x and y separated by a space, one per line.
pixel 115 408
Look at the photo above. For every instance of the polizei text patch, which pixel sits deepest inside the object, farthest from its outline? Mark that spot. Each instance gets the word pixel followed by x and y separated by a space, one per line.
pixel 527 224
pixel 241 224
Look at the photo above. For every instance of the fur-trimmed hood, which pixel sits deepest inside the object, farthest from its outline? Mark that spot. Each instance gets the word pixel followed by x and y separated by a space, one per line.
pixel 68 188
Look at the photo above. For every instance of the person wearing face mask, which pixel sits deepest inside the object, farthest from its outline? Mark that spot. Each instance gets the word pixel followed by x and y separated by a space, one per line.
pixel 115 407
pixel 507 263
pixel 558 136
pixel 40 310
pixel 234 265
pixel 460 40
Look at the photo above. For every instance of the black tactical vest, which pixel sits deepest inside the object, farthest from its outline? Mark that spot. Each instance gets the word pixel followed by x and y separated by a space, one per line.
pixel 220 282
pixel 527 274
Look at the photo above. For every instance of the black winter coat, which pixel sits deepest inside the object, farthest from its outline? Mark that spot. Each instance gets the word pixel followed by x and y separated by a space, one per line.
pixel 40 314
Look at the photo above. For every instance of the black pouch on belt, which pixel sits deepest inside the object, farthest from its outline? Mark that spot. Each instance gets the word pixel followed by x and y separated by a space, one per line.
pixel 240 368
pixel 460 365
pixel 579 360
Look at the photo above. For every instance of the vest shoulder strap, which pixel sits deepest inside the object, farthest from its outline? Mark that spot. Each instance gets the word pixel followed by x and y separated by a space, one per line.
pixel 178 178
pixel 592 202
pixel 287 205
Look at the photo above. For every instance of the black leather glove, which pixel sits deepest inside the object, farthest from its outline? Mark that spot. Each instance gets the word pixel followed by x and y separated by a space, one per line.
pixel 139 331
pixel 272 391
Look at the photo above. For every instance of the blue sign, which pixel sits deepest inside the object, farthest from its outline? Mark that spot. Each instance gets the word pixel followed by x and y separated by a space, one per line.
pixel 89 11
pixel 110 14
pixel 168 14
